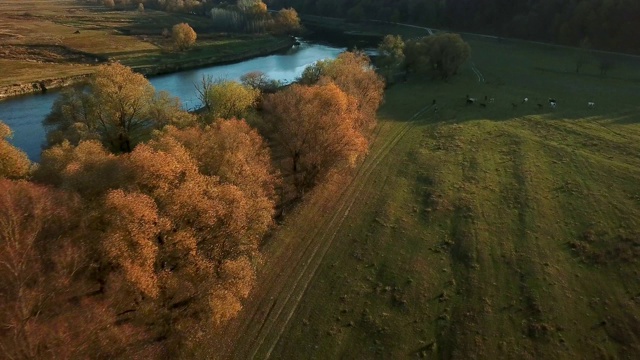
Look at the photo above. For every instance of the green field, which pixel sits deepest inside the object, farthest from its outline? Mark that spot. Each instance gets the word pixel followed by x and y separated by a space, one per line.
pixel 473 232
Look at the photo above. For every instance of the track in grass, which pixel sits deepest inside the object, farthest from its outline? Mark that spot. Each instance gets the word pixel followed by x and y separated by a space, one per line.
pixel 259 332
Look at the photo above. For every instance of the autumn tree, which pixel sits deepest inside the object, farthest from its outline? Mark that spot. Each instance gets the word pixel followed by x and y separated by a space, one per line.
pixel 176 226
pixel 391 58
pixel 441 54
pixel 237 155
pixel 232 151
pixel 225 98
pixel 183 36
pixel 49 307
pixel 109 3
pixel 353 73
pixel 319 128
pixel 287 21
pixel 165 109
pixel 118 107
pixel 255 7
pixel 260 81
pixel 13 162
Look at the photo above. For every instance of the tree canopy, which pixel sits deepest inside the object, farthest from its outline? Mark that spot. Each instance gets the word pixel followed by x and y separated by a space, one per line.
pixel 318 127
pixel 391 58
pixel 119 107
pixel 353 73
pixel 183 36
pixel 226 98
pixel 610 24
pixel 13 162
pixel 441 54
pixel 175 223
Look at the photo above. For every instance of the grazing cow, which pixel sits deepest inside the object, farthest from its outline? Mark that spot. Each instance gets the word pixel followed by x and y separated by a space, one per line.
pixel 553 104
pixel 434 101
pixel 539 106
pixel 483 105
pixel 491 100
pixel 525 100
pixel 470 100
pixel 514 105
pixel 591 104
pixel 552 100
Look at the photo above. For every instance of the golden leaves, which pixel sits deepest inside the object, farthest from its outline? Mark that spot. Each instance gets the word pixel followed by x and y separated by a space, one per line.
pixel 227 99
pixel 318 125
pixel 223 306
pixel 119 108
pixel 13 162
pixel 183 36
pixel 133 224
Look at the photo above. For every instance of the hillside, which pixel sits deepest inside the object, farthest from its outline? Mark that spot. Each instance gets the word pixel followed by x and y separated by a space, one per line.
pixel 510 231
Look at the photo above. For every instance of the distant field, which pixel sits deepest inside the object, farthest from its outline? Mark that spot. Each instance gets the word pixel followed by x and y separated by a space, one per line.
pixel 497 232
pixel 80 34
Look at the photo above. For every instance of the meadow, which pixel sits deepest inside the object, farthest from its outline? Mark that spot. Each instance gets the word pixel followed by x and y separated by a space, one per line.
pixel 50 39
pixel 471 232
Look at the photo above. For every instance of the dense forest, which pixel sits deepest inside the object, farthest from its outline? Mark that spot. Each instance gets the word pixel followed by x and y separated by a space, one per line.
pixel 138 232
pixel 600 24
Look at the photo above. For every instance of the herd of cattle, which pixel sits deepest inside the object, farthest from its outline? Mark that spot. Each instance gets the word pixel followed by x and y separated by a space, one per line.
pixel 552 102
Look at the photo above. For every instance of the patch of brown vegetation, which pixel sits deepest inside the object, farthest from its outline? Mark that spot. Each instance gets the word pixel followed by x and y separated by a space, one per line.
pixel 44 54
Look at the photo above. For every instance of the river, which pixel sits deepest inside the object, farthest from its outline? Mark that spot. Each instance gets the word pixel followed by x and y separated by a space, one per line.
pixel 25 114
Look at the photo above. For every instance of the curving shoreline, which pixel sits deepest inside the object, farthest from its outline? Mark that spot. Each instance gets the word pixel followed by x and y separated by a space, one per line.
pixel 57 83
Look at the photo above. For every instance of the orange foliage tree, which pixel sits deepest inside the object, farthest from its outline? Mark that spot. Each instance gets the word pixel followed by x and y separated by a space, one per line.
pixel 183 36
pixel 13 162
pixel 176 222
pixel 353 73
pixel 119 108
pixel 287 21
pixel 49 306
pixel 319 126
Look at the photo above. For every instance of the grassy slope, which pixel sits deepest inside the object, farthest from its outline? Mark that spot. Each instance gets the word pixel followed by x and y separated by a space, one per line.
pixel 472 233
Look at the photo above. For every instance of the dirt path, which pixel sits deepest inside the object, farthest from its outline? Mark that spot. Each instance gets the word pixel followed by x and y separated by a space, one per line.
pixel 255 333
pixel 476 71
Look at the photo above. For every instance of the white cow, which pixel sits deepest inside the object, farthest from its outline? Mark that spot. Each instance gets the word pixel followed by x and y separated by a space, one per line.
pixel 591 104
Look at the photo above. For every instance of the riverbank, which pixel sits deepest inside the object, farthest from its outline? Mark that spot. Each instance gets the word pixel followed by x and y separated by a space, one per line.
pixel 202 56
pixel 208 58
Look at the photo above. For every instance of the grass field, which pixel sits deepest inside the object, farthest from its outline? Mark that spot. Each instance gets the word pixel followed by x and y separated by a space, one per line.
pixel 45 39
pixel 487 233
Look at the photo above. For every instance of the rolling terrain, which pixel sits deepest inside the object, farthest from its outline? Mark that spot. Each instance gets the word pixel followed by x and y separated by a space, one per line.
pixel 505 231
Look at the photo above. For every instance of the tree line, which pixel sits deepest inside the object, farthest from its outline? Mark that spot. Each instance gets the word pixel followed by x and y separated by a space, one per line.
pixel 138 232
pixel 606 24
pixel 252 16
pixel 249 16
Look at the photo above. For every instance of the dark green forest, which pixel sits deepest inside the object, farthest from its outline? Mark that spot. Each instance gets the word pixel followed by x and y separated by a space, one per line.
pixel 598 24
